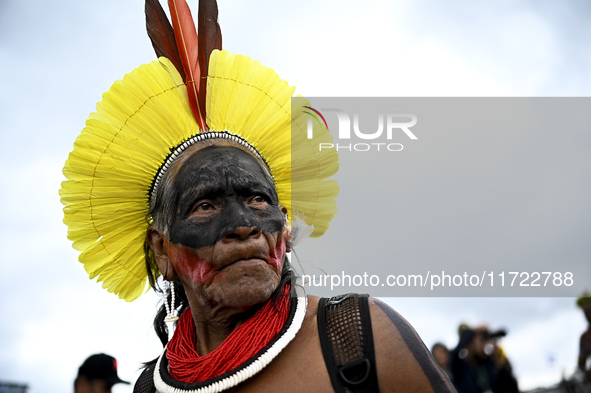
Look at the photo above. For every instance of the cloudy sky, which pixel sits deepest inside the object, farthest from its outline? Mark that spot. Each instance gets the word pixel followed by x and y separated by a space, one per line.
pixel 59 57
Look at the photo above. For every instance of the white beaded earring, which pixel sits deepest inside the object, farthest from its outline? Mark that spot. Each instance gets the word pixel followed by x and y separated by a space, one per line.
pixel 171 311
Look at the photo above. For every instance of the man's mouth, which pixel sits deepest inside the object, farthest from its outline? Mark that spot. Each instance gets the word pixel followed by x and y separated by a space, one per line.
pixel 249 262
pixel 248 256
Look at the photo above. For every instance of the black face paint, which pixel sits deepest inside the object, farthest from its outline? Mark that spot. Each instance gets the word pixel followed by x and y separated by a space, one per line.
pixel 220 189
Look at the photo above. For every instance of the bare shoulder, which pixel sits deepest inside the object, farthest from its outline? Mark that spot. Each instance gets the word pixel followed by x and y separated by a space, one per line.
pixel 403 361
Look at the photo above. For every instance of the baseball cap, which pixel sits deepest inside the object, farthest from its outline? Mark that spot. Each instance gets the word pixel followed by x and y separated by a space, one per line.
pixel 101 366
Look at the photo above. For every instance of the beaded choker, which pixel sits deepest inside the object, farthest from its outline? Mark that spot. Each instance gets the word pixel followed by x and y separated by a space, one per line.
pixel 164 383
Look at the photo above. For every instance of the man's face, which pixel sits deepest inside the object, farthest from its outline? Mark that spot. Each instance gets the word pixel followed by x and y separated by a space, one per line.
pixel 227 235
pixel 84 385
pixel 100 386
pixel 442 356
pixel 479 344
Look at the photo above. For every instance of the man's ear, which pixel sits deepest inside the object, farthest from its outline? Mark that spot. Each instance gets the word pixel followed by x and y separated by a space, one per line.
pixel 286 229
pixel 156 241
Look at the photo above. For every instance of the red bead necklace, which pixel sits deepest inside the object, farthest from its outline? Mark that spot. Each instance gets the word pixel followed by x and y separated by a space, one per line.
pixel 186 365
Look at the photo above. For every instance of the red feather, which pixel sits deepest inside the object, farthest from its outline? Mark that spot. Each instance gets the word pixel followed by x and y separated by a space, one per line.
pixel 187 44
pixel 161 34
pixel 210 38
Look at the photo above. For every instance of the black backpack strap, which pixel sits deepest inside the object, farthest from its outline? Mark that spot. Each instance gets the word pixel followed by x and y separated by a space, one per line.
pixel 145 383
pixel 346 337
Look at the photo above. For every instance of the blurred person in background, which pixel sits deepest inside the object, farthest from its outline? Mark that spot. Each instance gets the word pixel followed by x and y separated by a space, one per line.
pixel 507 381
pixel 441 354
pixel 585 343
pixel 479 365
pixel 97 374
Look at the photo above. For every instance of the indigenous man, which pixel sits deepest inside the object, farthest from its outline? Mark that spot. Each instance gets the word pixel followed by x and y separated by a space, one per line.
pixel 203 149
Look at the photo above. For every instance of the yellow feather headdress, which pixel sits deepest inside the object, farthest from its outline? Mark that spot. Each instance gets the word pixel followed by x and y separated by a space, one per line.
pixel 139 124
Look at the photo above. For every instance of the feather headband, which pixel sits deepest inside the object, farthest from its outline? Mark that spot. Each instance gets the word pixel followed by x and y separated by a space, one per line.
pixel 150 116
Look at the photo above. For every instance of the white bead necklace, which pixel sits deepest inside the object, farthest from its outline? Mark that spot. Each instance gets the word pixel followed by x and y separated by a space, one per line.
pixel 247 372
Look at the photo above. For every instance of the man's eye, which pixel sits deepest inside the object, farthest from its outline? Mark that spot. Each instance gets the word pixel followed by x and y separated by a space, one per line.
pixel 258 199
pixel 204 206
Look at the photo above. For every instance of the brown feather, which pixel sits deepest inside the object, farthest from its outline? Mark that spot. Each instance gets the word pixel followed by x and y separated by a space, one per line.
pixel 187 44
pixel 210 38
pixel 161 34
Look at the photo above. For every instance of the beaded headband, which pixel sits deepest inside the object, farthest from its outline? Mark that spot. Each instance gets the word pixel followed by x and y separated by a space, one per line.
pixel 174 154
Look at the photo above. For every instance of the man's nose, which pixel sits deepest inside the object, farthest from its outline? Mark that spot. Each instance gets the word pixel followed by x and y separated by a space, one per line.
pixel 240 224
pixel 241 233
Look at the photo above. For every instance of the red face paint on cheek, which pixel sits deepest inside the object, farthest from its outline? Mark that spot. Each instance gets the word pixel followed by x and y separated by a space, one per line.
pixel 188 264
pixel 276 255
